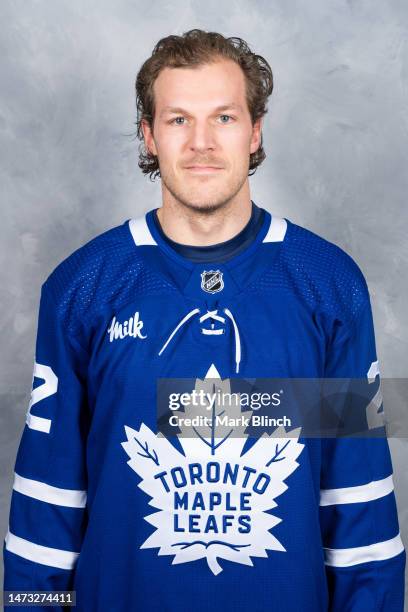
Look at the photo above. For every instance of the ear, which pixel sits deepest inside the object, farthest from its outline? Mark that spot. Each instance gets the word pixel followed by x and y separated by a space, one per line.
pixel 256 135
pixel 148 137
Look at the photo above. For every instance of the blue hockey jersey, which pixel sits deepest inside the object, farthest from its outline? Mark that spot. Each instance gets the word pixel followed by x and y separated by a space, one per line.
pixel 132 520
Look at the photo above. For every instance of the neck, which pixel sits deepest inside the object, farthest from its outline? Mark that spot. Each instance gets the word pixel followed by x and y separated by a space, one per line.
pixel 187 226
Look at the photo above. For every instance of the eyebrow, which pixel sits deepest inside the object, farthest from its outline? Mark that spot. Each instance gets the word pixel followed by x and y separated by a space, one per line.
pixel 178 109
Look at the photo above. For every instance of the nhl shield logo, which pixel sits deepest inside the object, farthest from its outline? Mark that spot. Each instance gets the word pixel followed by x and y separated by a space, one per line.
pixel 212 281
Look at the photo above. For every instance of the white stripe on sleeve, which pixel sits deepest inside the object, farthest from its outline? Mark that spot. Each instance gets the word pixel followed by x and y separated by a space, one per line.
pixel 53 557
pixel 344 557
pixel 47 493
pixel 353 495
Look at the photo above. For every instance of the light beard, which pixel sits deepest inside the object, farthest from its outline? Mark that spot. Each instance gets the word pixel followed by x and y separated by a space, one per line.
pixel 207 207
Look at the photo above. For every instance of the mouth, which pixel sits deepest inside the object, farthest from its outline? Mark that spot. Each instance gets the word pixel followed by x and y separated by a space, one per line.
pixel 203 169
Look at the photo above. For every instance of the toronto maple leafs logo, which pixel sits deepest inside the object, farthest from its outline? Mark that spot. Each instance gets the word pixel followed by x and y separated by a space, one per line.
pixel 213 501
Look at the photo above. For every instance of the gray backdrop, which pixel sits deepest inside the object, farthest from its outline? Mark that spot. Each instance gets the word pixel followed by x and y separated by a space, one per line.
pixel 335 137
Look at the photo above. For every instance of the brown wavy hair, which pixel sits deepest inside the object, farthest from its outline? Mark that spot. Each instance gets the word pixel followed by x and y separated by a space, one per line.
pixel 195 48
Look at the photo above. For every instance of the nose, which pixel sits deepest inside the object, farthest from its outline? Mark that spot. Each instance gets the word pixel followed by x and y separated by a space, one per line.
pixel 202 138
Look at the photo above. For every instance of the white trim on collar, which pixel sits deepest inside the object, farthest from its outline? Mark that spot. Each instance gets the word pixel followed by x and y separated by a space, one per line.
pixel 277 230
pixel 140 231
pixel 142 235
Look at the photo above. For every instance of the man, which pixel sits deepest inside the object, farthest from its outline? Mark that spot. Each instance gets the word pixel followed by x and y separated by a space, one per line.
pixel 208 286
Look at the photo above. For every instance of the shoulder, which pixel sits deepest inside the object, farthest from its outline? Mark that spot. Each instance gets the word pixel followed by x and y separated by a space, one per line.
pixel 96 254
pixel 91 274
pixel 324 273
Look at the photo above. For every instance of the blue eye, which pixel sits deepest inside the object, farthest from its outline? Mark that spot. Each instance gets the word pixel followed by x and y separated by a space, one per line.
pixel 174 120
pixel 229 117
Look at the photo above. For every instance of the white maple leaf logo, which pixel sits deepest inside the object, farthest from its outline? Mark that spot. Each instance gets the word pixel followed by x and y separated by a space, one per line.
pixel 213 502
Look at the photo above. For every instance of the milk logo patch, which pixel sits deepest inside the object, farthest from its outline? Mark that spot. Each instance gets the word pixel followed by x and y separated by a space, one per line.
pixel 132 328
pixel 212 281
pixel 212 501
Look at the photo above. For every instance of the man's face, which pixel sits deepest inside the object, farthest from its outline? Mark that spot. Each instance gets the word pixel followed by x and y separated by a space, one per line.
pixel 202 119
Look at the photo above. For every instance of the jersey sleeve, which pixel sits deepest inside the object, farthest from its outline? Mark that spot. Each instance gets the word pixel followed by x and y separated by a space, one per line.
pixel 364 554
pixel 48 513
